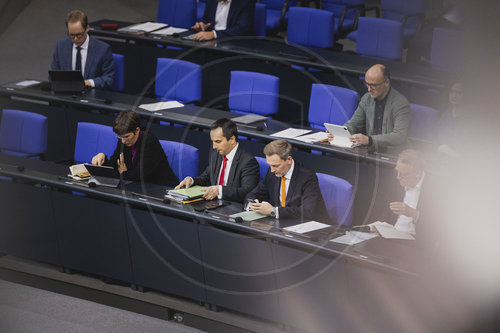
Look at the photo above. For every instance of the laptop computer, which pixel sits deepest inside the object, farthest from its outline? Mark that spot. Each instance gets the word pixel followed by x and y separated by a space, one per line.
pixel 67 81
pixel 103 175
pixel 341 135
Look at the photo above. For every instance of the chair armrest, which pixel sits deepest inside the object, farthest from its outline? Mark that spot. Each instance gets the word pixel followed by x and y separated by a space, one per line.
pixel 344 12
pixel 362 12
pixel 283 12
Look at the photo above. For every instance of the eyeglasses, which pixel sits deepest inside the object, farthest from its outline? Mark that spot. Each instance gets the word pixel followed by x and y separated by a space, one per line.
pixel 373 85
pixel 126 136
pixel 77 36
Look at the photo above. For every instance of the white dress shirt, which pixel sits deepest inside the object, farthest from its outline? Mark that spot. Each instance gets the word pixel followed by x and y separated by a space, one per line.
pixel 221 14
pixel 412 195
pixel 83 52
pixel 230 158
pixel 288 177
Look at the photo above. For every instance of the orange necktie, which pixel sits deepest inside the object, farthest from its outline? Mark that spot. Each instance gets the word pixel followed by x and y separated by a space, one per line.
pixel 283 191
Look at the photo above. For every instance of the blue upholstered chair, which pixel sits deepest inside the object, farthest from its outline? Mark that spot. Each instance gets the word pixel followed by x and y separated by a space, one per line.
pixel 92 139
pixel 311 27
pixel 119 78
pixel 183 158
pixel 177 13
pixel 346 13
pixel 178 80
pixel 200 9
pixel 259 20
pixel 380 38
pixel 251 92
pixel 445 49
pixel 337 194
pixel 277 13
pixel 331 104
pixel 23 133
pixel 263 166
pixel 423 122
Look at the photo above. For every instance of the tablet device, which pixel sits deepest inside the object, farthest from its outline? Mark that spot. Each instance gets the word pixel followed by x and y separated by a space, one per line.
pixel 340 135
pixel 103 175
pixel 66 81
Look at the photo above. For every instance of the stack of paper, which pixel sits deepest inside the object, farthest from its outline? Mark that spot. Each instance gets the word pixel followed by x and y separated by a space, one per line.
pixel 313 137
pixel 168 31
pixel 161 106
pixel 291 133
pixel 353 237
pixel 306 227
pixel 143 27
pixel 190 193
pixel 248 215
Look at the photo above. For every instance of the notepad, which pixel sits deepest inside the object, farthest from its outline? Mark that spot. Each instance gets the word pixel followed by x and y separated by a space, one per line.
pixel 161 106
pixel 190 193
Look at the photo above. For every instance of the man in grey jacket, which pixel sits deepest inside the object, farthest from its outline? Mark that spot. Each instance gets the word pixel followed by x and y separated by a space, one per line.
pixel 383 115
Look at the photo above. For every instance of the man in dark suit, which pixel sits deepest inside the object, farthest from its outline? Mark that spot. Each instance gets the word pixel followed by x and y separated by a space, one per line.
pixel 231 171
pixel 225 18
pixel 80 52
pixel 288 190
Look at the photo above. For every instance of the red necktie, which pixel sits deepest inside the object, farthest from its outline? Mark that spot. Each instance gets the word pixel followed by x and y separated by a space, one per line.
pixel 221 179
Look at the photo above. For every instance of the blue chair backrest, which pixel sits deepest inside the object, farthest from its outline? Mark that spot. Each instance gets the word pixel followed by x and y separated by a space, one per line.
pixel 445 50
pixel 337 195
pixel 338 6
pixel 259 20
pixel 331 104
pixel 23 133
pixel 276 4
pixel 183 158
pixel 251 92
pixel 396 9
pixel 424 122
pixel 263 166
pixel 200 10
pixel 379 38
pixel 311 27
pixel 178 80
pixel 119 78
pixel 92 139
pixel 177 13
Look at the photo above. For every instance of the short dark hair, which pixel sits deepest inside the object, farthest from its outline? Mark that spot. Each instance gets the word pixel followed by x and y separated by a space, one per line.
pixel 77 16
pixel 126 122
pixel 412 157
pixel 282 148
pixel 229 128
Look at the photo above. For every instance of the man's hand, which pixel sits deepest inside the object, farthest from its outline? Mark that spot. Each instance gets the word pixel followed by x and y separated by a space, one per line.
pixel 200 26
pixel 400 208
pixel 211 192
pixel 204 35
pixel 330 136
pixel 87 83
pixel 263 207
pixel 122 167
pixel 359 139
pixel 186 182
pixel 98 159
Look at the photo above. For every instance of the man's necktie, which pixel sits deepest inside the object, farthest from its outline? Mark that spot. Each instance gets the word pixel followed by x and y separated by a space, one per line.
pixel 78 63
pixel 283 191
pixel 221 179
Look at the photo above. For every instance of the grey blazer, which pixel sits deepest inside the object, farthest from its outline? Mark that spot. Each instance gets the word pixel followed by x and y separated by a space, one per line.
pixel 396 124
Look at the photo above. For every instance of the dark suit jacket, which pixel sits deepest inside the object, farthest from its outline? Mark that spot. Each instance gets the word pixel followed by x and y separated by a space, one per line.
pixel 303 200
pixel 243 175
pixel 98 66
pixel 151 164
pixel 239 18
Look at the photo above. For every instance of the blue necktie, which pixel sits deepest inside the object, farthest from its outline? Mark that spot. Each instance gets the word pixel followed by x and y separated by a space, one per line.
pixel 78 64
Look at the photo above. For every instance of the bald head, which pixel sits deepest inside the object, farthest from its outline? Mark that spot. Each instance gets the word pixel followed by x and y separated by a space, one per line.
pixel 377 81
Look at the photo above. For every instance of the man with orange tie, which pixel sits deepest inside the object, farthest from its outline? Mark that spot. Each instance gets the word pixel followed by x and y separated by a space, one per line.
pixel 288 190
pixel 231 171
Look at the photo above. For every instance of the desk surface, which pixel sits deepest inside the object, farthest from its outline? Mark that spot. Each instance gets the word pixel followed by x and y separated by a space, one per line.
pixel 277 50
pixel 193 116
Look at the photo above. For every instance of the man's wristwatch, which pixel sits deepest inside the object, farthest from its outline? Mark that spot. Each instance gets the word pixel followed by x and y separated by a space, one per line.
pixel 273 212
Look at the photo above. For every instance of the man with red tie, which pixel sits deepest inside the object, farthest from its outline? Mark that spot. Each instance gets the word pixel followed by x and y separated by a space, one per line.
pixel 231 171
pixel 288 190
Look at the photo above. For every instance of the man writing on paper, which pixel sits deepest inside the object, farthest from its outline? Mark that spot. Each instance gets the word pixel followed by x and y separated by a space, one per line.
pixel 80 52
pixel 382 117
pixel 139 155
pixel 231 172
pixel 225 18
pixel 288 190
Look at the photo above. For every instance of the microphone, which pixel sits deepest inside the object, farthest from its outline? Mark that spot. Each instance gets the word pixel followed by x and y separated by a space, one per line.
pixel 92 184
pixel 175 35
pixel 238 219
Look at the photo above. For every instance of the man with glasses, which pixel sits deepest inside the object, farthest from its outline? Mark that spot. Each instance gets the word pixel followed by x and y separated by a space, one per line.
pixel 80 52
pixel 383 115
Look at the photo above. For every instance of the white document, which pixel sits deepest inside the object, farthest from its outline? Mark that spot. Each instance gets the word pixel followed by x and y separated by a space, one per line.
pixel 291 133
pixel 161 106
pixel 169 31
pixel 353 237
pixel 392 233
pixel 248 119
pixel 27 83
pixel 313 137
pixel 306 227
pixel 147 26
